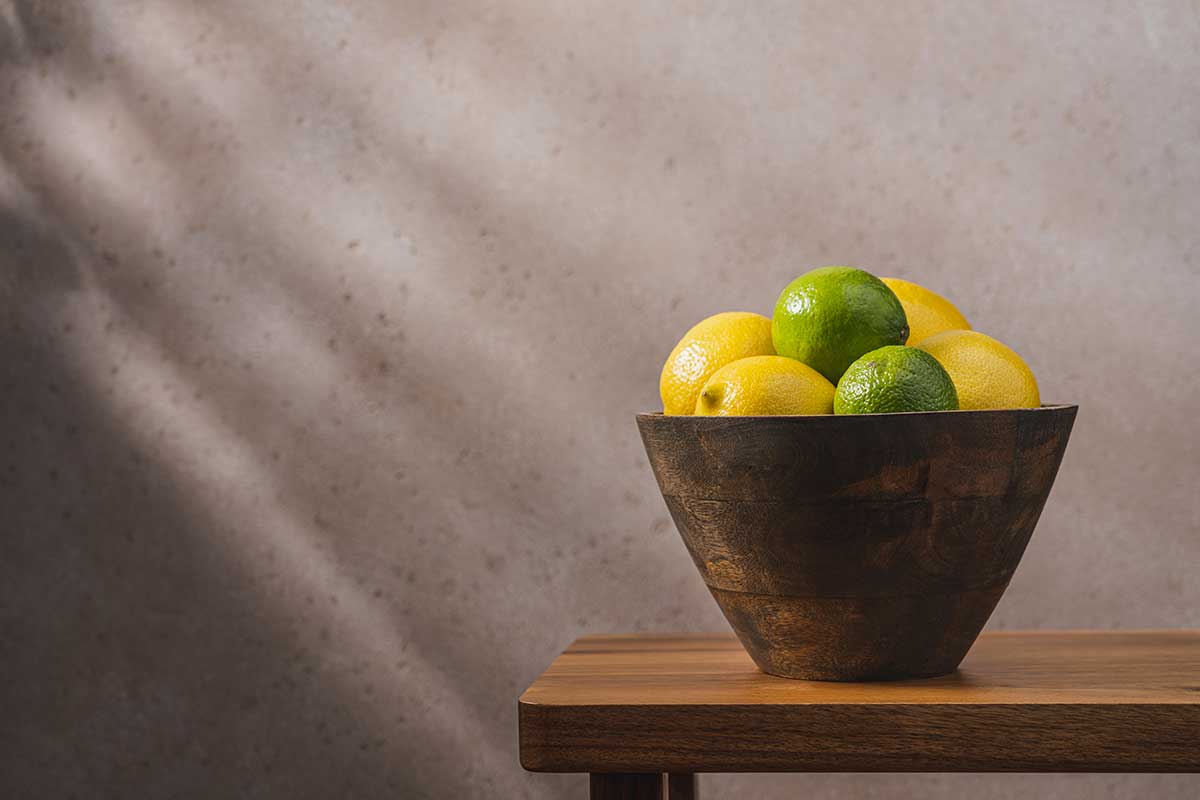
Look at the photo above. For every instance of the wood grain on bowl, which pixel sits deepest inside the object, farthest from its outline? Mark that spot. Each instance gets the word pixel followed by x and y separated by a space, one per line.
pixel 858 547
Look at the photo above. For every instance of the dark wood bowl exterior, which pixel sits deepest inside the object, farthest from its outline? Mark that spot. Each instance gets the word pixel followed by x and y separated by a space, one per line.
pixel 852 548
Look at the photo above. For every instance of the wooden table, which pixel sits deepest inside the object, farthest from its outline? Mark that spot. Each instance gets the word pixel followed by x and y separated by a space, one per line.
pixel 629 708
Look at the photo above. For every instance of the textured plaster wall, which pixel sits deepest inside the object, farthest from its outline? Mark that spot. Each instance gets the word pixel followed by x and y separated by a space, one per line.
pixel 324 325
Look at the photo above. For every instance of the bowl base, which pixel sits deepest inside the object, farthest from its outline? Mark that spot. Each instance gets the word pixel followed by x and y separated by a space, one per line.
pixel 858 639
pixel 837 678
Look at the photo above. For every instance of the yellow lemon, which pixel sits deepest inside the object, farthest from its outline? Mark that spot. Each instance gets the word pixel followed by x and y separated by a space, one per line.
pixel 709 345
pixel 928 313
pixel 986 373
pixel 765 385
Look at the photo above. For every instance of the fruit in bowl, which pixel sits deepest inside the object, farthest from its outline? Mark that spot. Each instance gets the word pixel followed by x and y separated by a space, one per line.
pixel 841 539
pixel 883 344
pixel 828 317
pixel 765 385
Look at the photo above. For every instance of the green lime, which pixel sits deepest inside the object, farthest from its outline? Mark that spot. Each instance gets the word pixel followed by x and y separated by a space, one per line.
pixel 830 316
pixel 895 378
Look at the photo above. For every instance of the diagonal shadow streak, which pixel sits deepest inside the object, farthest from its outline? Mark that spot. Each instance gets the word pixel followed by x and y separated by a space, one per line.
pixel 111 294
pixel 173 312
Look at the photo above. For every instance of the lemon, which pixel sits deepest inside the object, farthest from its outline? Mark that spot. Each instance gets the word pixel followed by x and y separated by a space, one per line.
pixel 709 345
pixel 765 385
pixel 830 316
pixel 986 373
pixel 895 378
pixel 927 312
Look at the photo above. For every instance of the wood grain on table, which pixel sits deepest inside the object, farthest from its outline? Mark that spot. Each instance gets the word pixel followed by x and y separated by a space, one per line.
pixel 1038 701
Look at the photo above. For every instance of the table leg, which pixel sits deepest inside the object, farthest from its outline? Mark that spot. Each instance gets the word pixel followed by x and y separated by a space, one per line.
pixel 682 786
pixel 627 786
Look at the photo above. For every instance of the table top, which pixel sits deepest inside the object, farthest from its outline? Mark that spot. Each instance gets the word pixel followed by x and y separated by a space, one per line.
pixel 1053 701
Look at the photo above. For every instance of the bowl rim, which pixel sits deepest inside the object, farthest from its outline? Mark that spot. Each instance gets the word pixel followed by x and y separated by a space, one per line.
pixel 1044 408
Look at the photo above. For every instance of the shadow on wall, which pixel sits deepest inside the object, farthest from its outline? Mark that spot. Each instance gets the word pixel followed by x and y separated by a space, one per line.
pixel 136 655
pixel 149 648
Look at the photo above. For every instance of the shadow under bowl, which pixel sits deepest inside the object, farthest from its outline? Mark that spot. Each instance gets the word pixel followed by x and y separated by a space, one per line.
pixel 858 547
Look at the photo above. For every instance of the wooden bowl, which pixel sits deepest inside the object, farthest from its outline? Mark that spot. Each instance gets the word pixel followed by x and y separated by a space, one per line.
pixel 864 547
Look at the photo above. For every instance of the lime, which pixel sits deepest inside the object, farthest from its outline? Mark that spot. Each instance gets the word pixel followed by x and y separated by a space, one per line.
pixel 830 316
pixel 895 378
pixel 765 385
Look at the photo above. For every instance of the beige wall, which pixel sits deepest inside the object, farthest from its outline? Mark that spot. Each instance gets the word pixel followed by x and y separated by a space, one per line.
pixel 325 325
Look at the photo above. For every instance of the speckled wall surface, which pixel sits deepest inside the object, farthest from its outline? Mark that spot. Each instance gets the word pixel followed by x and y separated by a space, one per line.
pixel 324 325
